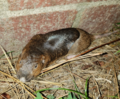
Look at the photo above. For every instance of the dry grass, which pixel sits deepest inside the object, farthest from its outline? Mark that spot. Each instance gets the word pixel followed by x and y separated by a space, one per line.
pixel 103 70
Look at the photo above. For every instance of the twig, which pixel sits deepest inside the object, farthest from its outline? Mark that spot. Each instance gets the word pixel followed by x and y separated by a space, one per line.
pixel 76 75
pixel 103 79
pixel 3 97
pixel 116 80
pixel 48 82
pixel 23 94
pixel 20 83
pixel 14 84
pixel 97 47
pixel 27 90
pixel 7 58
pixel 10 88
pixel 97 87
pixel 51 68
pixel 72 59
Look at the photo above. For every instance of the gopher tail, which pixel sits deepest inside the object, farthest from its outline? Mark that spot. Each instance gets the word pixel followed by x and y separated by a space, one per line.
pixel 106 34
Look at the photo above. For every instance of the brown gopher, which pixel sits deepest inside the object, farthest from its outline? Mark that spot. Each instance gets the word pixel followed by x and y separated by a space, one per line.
pixel 42 49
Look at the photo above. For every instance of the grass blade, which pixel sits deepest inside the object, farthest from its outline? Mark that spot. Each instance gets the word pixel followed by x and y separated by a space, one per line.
pixel 86 89
pixel 74 97
pixel 6 53
pixel 77 89
pixel 118 23
pixel 117 52
pixel 113 96
pixel 7 58
pixel 63 89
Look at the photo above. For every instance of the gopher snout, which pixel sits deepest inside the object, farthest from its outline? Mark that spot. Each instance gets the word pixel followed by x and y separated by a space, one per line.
pixel 24 76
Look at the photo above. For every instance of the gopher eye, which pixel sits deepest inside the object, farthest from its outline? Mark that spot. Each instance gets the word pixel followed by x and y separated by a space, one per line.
pixel 36 66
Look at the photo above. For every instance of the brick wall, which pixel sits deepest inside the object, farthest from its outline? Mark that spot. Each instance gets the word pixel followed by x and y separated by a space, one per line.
pixel 21 19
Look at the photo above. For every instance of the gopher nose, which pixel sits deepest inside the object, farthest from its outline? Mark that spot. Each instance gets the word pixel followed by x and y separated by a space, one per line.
pixel 24 76
pixel 21 75
pixel 23 79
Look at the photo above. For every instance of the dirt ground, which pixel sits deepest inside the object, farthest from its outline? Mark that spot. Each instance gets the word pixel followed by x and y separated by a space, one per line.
pixel 103 71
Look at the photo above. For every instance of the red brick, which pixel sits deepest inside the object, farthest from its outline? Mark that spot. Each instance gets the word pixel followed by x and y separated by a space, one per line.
pixel 17 31
pixel 1 29
pixel 99 19
pixel 30 4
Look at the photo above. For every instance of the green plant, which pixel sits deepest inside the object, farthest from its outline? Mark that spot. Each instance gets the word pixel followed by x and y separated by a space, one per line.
pixel 39 96
pixel 70 95
pixel 117 25
pixel 6 53
pixel 113 96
